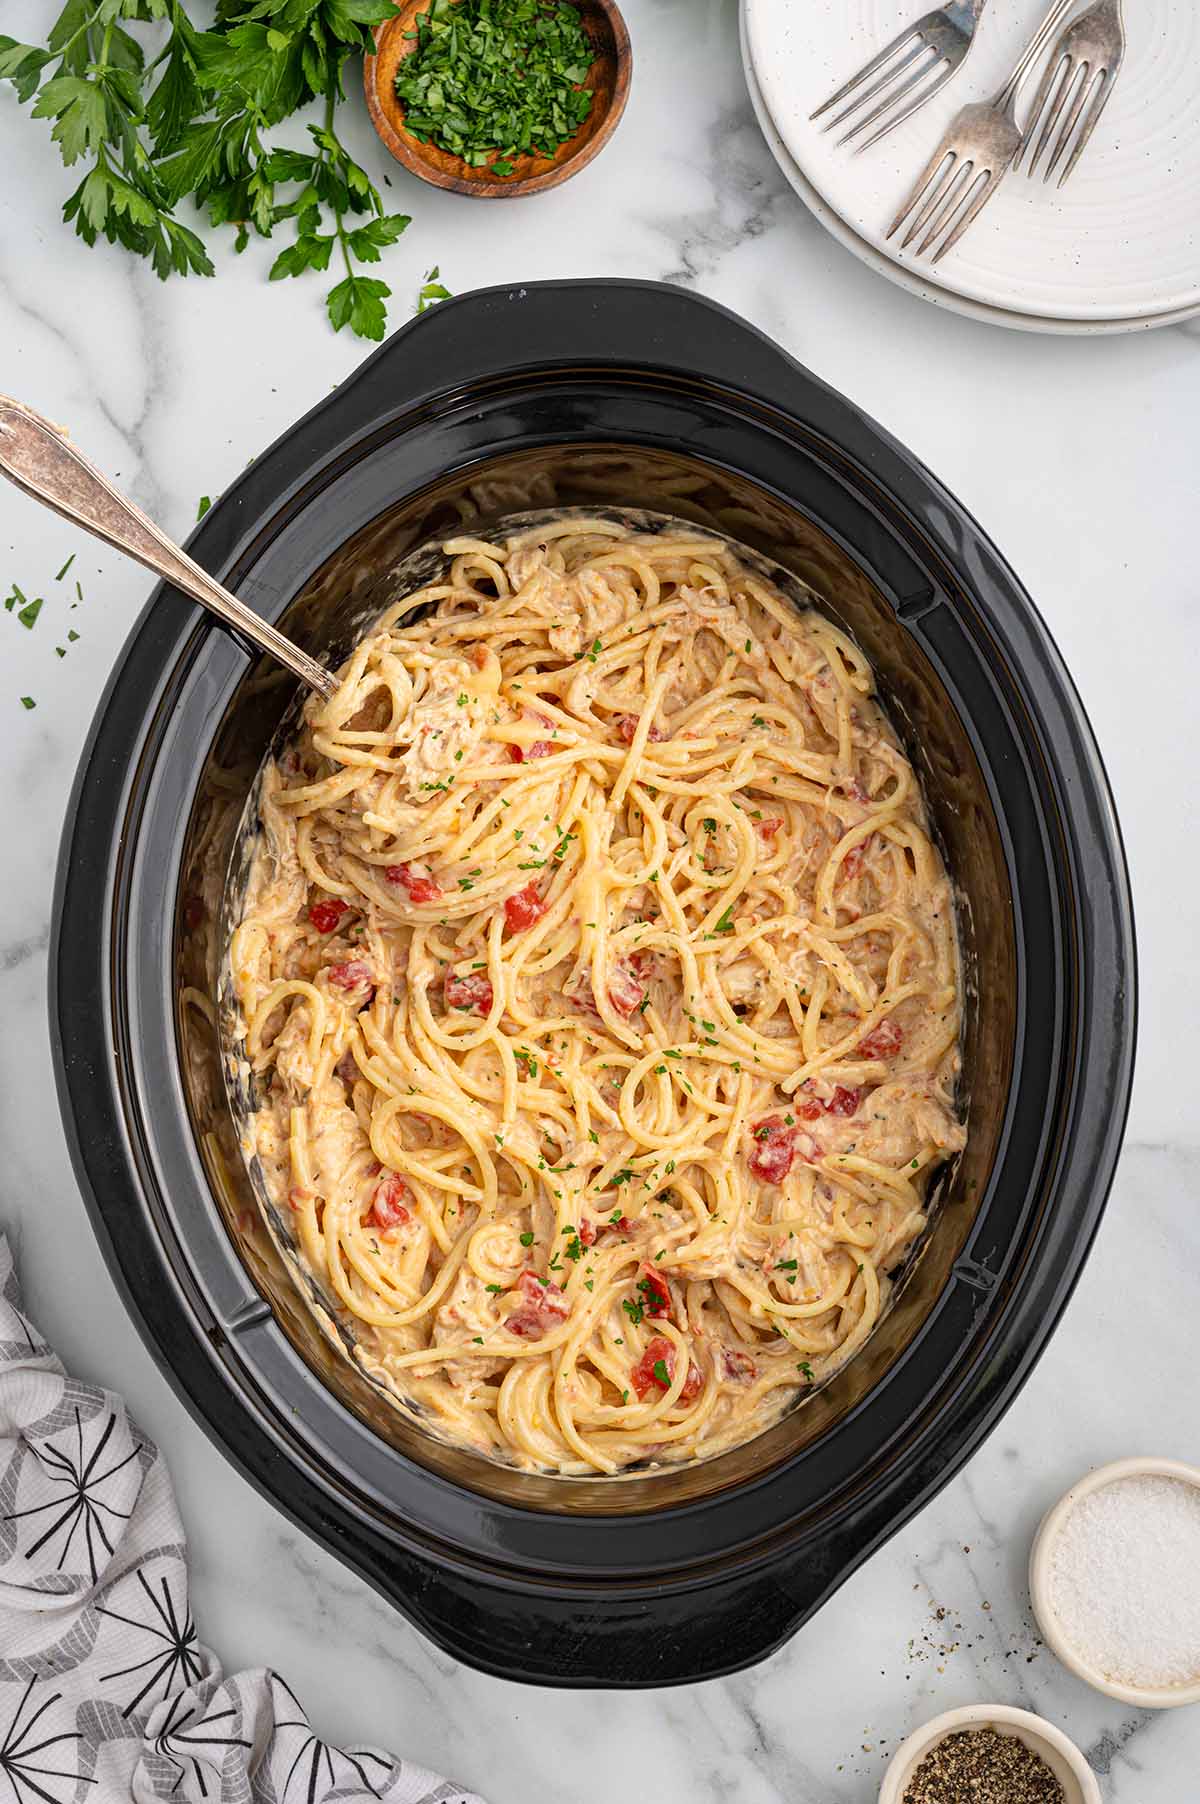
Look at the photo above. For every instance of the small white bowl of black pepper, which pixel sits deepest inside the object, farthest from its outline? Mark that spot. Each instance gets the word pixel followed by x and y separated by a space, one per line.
pixel 989 1754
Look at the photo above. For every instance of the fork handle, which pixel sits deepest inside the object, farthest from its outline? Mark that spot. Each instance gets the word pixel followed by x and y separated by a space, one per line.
pixel 1008 93
pixel 39 457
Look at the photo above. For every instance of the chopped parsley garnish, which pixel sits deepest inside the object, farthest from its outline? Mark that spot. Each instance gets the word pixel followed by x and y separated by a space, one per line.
pixel 709 825
pixel 431 290
pixel 65 568
pixel 527 1238
pixel 490 80
pixel 786 1265
pixel 27 701
pixel 497 1290
pixel 725 924
pixel 805 1370
pixel 635 1311
pixel 205 504
pixel 29 613
pixel 662 1374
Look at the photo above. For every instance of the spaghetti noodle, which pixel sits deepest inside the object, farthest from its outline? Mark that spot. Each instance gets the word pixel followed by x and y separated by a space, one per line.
pixel 600 982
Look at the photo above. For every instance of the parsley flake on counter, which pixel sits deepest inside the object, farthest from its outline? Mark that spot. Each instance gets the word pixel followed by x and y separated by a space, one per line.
pixel 27 701
pixel 490 80
pixel 431 291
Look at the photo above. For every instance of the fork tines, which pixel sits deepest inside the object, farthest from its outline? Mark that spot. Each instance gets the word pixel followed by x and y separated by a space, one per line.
pixel 949 193
pixel 1065 79
pixel 911 53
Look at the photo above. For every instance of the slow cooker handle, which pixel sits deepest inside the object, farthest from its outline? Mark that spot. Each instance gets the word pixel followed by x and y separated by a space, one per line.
pixel 647 1638
pixel 491 334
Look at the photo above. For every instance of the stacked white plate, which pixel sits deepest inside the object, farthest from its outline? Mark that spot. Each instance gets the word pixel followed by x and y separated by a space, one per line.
pixel 1117 249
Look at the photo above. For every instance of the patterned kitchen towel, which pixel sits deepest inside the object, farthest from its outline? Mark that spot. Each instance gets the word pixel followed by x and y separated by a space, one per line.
pixel 106 1695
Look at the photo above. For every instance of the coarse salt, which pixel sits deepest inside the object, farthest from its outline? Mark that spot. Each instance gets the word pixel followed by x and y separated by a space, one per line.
pixel 1124 1580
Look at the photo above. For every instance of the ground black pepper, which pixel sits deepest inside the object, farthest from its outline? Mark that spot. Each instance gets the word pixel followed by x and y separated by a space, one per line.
pixel 980 1766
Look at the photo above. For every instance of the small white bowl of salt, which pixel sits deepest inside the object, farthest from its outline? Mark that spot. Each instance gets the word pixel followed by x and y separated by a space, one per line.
pixel 1114 1576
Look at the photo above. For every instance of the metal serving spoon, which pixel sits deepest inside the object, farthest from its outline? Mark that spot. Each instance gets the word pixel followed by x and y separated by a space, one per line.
pixel 40 458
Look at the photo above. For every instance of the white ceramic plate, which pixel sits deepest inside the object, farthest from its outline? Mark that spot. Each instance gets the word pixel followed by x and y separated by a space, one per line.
pixel 905 277
pixel 1121 242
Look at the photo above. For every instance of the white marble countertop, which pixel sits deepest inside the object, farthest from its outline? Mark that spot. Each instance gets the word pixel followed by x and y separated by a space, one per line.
pixel 1080 459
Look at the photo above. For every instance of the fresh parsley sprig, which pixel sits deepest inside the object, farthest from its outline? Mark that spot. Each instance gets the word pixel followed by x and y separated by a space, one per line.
pixel 161 111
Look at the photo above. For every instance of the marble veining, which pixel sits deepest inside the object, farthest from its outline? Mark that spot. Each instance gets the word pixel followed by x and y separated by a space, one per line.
pixel 1079 457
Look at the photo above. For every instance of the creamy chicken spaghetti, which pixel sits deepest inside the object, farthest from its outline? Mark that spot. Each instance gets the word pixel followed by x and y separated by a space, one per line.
pixel 599 983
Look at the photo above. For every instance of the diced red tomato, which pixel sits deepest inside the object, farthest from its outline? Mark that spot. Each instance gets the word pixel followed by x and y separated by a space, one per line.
pixel 523 909
pixel 769 826
pixel 628 724
pixel 772 1150
pixel 882 1041
pixel 660 1352
pixel 625 992
pixel 421 887
pixel 326 913
pixel 855 858
pixel 693 1384
pixel 388 1207
pixel 540 748
pixel 656 1292
pixel 590 1231
pixel 809 1107
pixel 353 974
pixel 543 1308
pixel 473 990
pixel 738 1366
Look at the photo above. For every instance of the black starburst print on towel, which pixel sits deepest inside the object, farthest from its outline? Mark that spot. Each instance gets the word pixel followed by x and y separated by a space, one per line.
pixel 315 1758
pixel 187 1727
pixel 174 1659
pixel 81 1506
pixel 26 1760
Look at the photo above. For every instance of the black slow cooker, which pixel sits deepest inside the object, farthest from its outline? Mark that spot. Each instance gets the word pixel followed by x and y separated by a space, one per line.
pixel 609 394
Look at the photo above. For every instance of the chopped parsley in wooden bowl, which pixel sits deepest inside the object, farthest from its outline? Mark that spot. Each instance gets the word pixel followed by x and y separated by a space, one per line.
pixel 496 98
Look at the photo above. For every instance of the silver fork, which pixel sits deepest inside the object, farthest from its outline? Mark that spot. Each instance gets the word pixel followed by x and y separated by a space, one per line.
pixel 972 159
pixel 948 33
pixel 1086 58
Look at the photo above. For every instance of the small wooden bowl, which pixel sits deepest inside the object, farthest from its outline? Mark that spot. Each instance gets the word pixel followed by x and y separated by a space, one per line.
pixel 608 76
